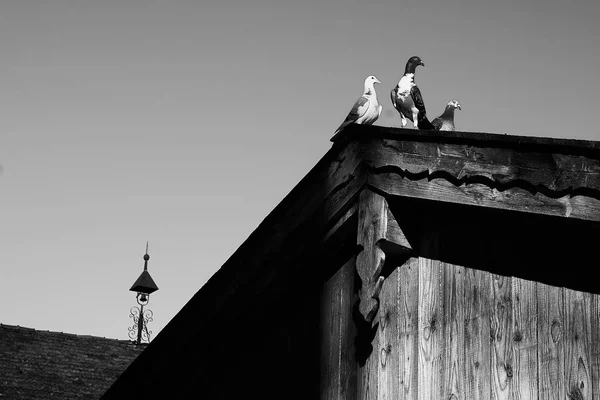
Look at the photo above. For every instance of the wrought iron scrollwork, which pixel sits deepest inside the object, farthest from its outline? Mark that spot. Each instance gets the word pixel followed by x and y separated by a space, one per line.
pixel 139 330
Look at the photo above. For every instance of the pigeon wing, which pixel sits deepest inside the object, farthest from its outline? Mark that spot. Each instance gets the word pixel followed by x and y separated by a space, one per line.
pixel 423 123
pixel 358 110
pixel 415 94
pixel 437 123
pixel 393 95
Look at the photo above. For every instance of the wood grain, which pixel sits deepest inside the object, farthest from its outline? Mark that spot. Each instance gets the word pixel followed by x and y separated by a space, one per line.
pixel 516 199
pixel 330 337
pixel 394 233
pixel 431 341
pixel 368 374
pixel 551 333
pixel 347 362
pixel 586 148
pixel 477 334
pixel 501 337
pixel 453 368
pixel 554 171
pixel 372 227
pixel 388 386
pixel 338 371
pixel 524 340
pixel 578 368
pixel 408 329
pixel 595 305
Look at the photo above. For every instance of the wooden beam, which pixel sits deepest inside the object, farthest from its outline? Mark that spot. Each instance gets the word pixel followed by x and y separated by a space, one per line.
pixel 578 367
pixel 388 383
pixel 501 337
pixel 477 333
pixel 376 229
pixel 477 194
pixel 408 329
pixel 524 339
pixel 330 338
pixel 585 148
pixel 554 172
pixel 595 314
pixel 338 367
pixel 551 356
pixel 453 371
pixel 431 330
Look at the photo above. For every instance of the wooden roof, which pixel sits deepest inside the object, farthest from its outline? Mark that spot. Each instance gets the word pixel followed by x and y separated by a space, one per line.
pixel 315 225
pixel 540 175
pixel 38 364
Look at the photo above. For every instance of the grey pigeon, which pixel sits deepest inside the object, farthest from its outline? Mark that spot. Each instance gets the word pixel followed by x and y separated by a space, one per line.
pixel 445 122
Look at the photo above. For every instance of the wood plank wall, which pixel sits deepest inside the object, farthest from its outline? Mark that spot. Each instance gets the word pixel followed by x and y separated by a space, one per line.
pixel 449 332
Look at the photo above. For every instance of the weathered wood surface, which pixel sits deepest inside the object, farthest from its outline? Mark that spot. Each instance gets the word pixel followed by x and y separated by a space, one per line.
pixel 368 373
pixel 450 332
pixel 338 371
pixel 524 340
pixel 477 352
pixel 585 148
pixel 431 339
pixel 501 336
pixel 408 329
pixel 394 242
pixel 595 305
pixel 530 180
pixel 378 234
pixel 578 365
pixel 347 359
pixel 372 228
pixel 330 343
pixel 551 358
pixel 453 332
pixel 552 171
pixel 389 338
pixel 477 194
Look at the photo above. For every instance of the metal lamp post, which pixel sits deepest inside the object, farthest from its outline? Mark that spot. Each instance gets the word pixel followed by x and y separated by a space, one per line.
pixel 143 286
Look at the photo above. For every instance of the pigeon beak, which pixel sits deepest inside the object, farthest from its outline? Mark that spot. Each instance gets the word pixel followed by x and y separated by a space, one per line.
pixel 459 107
pixel 422 63
pixel 376 81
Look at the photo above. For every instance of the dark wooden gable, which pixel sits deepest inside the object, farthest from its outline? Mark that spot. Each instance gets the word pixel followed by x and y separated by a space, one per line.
pixel 380 199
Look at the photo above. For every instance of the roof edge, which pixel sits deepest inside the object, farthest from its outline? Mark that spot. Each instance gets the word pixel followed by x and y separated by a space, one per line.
pixel 42 331
pixel 586 148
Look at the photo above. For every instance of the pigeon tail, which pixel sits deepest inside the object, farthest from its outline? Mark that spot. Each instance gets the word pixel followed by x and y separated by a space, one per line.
pixel 341 127
pixel 425 125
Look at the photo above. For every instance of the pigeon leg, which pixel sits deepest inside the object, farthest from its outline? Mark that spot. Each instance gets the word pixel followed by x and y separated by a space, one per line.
pixel 403 120
pixel 416 120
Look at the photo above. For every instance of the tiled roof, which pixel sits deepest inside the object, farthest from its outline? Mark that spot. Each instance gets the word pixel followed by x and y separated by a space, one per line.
pixel 41 365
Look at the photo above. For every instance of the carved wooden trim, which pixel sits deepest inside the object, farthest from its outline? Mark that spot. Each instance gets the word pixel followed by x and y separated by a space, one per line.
pixel 377 229
pixel 480 194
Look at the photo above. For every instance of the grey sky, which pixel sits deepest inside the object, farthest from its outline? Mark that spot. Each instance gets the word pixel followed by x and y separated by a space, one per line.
pixel 184 123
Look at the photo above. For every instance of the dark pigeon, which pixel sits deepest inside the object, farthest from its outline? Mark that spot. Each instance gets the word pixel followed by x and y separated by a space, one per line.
pixel 407 98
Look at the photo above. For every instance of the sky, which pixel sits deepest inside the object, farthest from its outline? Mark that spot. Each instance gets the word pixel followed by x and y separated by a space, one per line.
pixel 184 123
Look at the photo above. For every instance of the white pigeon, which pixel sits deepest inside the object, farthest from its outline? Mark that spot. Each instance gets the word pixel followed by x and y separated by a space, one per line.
pixel 445 122
pixel 366 110
pixel 407 99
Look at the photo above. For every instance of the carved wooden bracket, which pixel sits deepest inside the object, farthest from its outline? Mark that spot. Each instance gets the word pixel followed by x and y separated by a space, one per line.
pixel 377 229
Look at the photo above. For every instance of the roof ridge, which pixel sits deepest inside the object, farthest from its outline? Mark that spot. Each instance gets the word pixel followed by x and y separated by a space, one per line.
pixel 24 328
